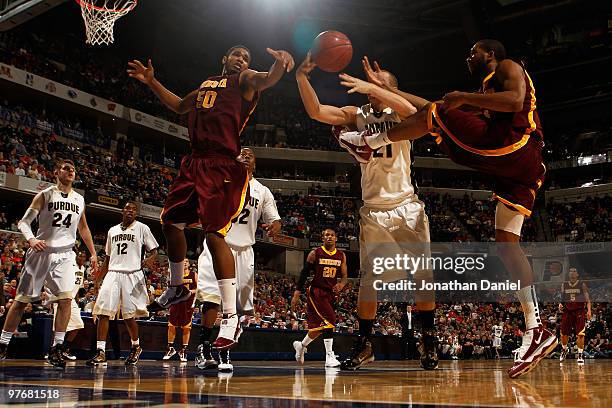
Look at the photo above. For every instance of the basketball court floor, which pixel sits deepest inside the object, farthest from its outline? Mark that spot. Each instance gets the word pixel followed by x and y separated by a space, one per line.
pixel 280 384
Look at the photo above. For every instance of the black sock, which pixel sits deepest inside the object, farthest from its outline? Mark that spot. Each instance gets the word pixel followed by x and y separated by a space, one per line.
pixel 170 345
pixel 365 328
pixel 205 334
pixel 426 317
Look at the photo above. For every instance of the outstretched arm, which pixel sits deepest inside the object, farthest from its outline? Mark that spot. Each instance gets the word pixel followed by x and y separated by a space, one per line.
pixel 373 76
pixel 258 81
pixel 146 75
pixel 399 104
pixel 510 74
pixel 332 115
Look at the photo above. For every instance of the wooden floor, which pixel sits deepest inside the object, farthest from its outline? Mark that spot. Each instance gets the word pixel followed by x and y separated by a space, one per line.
pixel 279 384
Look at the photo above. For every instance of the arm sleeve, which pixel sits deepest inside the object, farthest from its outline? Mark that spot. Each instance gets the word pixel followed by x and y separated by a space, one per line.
pixel 24 224
pixel 270 212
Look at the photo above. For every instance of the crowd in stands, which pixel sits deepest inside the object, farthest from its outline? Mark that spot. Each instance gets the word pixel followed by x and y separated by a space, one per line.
pixel 589 220
pixel 464 329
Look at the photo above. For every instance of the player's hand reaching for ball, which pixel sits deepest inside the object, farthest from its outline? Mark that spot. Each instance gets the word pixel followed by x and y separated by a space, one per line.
pixel 137 70
pixel 373 74
pixel 283 57
pixel 305 67
pixel 37 245
pixel 356 84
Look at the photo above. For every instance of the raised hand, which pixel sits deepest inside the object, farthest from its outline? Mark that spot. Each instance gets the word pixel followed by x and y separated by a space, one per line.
pixel 373 75
pixel 283 57
pixel 306 66
pixel 356 84
pixel 146 75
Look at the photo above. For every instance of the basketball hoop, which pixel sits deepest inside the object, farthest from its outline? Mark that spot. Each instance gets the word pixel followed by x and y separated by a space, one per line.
pixel 100 17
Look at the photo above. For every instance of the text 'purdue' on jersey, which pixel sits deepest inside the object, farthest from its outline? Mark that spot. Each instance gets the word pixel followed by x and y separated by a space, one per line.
pixel 124 246
pixel 59 218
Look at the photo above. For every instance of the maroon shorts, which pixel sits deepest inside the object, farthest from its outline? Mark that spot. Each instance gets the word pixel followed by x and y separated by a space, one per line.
pixel 573 320
pixel 320 309
pixel 209 191
pixel 181 314
pixel 513 159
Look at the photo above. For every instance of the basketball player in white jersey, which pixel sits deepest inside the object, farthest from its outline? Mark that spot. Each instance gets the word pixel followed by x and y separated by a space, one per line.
pixel 392 213
pixel 124 283
pixel 61 212
pixel 75 323
pixel 240 239
pixel 498 330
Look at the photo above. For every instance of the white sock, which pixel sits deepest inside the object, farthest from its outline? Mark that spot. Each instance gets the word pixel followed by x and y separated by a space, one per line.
pixel 329 343
pixel 176 273
pixel 5 337
pixel 227 287
pixel 378 140
pixel 529 302
pixel 564 346
pixel 136 342
pixel 307 340
pixel 101 345
pixel 580 351
pixel 58 338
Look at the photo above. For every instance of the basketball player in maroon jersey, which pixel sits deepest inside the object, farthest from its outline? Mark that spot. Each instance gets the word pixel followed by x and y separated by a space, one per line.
pixel 181 315
pixel 212 186
pixel 326 261
pixel 574 294
pixel 497 132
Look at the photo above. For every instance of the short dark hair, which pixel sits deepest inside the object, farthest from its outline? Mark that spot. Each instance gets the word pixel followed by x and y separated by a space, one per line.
pixel 499 51
pixel 60 163
pixel 329 229
pixel 236 47
pixel 393 78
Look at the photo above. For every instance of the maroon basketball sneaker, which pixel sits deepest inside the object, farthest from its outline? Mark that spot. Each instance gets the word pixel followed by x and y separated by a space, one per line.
pixel 537 344
pixel 229 332
pixel 354 143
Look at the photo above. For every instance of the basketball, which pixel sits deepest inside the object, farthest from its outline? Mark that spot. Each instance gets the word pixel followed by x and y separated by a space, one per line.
pixel 332 51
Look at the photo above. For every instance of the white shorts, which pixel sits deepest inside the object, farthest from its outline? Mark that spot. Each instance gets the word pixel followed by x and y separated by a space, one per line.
pixel 127 290
pixel 509 220
pixel 208 287
pixel 53 268
pixel 496 342
pixel 388 232
pixel 75 322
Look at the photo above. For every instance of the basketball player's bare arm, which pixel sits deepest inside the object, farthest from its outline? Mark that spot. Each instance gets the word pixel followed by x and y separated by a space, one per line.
pixel 585 290
pixel 24 225
pixel 332 115
pixel 252 81
pixel 373 75
pixel 343 276
pixel 308 268
pixel 399 104
pixel 146 75
pixel 88 240
pixel 150 258
pixel 511 76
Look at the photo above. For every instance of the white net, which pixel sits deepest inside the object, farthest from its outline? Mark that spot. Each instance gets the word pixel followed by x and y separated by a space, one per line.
pixel 100 17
